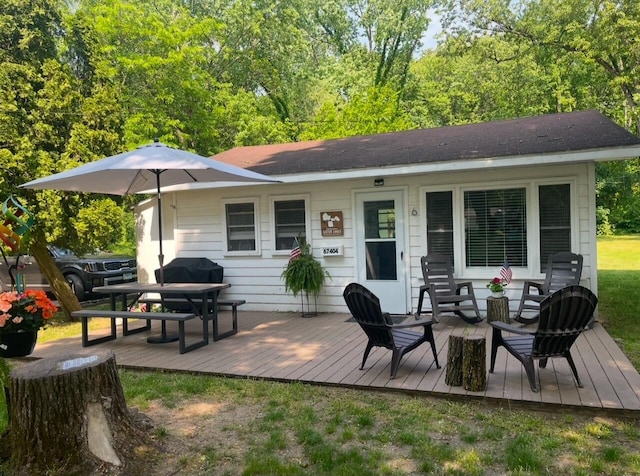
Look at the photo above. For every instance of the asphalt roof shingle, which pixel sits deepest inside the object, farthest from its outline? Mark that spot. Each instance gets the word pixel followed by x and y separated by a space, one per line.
pixel 547 134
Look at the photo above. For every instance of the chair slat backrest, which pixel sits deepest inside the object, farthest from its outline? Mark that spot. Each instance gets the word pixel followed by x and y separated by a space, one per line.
pixel 365 309
pixel 563 269
pixel 563 316
pixel 438 270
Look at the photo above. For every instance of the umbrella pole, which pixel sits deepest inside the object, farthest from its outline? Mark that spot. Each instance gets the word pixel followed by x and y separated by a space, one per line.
pixel 161 255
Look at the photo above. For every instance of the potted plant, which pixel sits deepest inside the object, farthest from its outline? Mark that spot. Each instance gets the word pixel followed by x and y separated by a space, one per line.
pixel 496 286
pixel 304 274
pixel 22 315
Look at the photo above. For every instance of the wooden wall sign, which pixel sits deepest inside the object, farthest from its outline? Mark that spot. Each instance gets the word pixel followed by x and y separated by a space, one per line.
pixel 331 223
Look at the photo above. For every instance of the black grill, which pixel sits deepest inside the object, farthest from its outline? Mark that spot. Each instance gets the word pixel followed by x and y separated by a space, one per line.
pixel 190 270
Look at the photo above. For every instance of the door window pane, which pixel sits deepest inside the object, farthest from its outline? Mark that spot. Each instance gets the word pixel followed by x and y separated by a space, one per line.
pixel 495 227
pixel 241 231
pixel 289 223
pixel 555 221
pixel 379 234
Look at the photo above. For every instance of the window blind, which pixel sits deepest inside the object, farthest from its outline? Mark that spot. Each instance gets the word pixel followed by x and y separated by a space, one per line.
pixel 440 223
pixel 495 227
pixel 289 222
pixel 555 220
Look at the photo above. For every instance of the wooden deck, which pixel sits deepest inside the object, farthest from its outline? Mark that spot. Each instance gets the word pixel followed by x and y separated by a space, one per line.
pixel 327 349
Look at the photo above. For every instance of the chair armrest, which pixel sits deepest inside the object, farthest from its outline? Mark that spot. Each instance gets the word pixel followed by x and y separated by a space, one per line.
pixel 503 326
pixel 416 323
pixel 466 284
pixel 532 284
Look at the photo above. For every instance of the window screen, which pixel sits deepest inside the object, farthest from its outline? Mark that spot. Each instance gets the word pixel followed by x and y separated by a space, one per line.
pixel 495 227
pixel 555 220
pixel 289 223
pixel 241 230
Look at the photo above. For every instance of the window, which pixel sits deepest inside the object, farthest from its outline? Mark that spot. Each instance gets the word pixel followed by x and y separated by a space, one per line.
pixel 440 223
pixel 241 226
pixel 289 222
pixel 555 220
pixel 495 223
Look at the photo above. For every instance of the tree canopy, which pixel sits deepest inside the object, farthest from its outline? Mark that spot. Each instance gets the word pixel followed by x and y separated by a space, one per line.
pixel 87 79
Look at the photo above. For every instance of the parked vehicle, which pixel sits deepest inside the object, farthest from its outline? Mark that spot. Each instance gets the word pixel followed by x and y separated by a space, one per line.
pixel 82 273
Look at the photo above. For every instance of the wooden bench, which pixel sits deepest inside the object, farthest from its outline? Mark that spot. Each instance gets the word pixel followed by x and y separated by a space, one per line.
pixel 179 317
pixel 233 303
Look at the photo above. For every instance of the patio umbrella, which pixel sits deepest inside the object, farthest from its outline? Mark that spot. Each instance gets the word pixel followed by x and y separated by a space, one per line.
pixel 145 170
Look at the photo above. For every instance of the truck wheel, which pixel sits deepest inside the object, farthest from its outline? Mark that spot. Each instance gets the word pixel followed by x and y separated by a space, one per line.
pixel 77 286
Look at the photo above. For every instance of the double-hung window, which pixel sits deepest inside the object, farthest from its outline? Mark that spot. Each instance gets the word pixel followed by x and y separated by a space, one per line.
pixel 290 222
pixel 241 227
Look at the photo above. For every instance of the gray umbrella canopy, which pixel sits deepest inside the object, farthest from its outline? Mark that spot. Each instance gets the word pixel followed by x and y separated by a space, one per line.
pixel 137 171
pixel 145 170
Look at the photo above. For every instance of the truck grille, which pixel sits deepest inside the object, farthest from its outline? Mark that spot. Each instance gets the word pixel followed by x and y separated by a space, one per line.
pixel 117 265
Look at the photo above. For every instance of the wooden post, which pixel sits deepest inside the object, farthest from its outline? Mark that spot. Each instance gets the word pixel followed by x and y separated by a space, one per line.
pixel 474 363
pixel 453 375
pixel 498 309
pixel 70 413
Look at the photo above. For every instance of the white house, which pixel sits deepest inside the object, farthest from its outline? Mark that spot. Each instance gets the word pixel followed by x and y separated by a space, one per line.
pixel 371 206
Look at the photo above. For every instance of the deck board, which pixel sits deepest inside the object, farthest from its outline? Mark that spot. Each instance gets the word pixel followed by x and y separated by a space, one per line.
pixel 328 349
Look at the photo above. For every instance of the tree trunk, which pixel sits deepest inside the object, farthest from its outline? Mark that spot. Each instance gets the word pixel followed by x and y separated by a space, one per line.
pixel 453 374
pixel 69 413
pixel 474 363
pixel 66 298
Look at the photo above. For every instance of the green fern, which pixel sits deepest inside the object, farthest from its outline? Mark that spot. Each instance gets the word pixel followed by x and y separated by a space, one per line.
pixel 304 273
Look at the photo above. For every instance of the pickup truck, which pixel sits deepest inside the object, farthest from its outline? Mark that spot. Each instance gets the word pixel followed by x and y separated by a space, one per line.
pixel 82 273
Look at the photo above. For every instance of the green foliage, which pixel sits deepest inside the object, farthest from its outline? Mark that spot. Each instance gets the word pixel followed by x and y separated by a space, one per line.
pixel 304 273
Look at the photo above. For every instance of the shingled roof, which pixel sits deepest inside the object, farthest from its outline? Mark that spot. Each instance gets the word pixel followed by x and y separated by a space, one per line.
pixel 532 136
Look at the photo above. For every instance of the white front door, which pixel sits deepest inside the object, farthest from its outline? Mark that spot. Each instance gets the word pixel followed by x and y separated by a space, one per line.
pixel 380 230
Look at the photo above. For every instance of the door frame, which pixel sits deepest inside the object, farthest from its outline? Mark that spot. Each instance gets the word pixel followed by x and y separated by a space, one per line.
pixel 404 271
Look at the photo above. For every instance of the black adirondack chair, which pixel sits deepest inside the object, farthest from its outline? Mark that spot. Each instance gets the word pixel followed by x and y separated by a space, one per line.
pixel 365 308
pixel 563 317
pixel 563 269
pixel 446 295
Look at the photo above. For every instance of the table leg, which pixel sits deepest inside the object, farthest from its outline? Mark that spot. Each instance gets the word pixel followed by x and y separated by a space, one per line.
pixel 163 338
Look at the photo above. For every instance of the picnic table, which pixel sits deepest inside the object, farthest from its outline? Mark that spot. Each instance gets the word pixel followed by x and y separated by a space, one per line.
pixel 202 298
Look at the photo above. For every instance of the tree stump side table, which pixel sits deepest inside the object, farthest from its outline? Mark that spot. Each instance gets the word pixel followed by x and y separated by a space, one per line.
pixel 498 309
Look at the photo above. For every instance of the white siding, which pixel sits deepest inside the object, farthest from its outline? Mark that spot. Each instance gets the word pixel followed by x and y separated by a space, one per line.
pixel 198 231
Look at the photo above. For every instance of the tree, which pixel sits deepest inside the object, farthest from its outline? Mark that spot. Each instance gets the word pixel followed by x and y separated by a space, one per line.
pixel 47 125
pixel 602 32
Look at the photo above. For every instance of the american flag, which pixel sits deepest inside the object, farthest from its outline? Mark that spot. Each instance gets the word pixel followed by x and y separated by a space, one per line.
pixel 505 272
pixel 295 251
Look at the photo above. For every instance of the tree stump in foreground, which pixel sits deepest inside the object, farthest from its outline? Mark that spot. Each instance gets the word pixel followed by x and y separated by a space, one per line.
pixel 474 363
pixel 453 375
pixel 70 412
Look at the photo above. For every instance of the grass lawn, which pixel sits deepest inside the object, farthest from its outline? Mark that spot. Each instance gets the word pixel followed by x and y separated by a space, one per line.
pixel 220 426
pixel 619 291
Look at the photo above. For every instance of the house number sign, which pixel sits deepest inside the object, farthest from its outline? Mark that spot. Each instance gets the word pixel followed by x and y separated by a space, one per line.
pixel 331 223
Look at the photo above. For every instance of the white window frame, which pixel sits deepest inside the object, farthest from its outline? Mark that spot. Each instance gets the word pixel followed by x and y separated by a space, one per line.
pixel 256 220
pixel 272 217
pixel 533 222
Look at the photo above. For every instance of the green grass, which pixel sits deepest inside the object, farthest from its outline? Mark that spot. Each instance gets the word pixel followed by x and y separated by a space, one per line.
pixel 274 428
pixel 619 290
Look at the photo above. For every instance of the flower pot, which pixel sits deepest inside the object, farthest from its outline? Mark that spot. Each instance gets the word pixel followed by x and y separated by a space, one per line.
pixel 497 294
pixel 17 344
